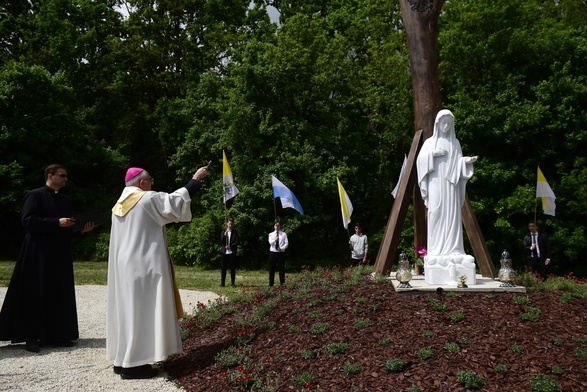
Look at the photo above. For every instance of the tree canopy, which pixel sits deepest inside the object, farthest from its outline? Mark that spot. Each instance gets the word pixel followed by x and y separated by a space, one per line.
pixel 105 84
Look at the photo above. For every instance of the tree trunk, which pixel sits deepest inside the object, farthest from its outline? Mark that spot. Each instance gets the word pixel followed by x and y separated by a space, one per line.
pixel 420 19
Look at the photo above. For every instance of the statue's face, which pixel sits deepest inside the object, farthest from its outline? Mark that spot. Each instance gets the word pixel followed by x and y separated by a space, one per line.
pixel 445 124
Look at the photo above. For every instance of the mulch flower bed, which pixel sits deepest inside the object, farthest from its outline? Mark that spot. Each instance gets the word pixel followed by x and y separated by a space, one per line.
pixel 506 341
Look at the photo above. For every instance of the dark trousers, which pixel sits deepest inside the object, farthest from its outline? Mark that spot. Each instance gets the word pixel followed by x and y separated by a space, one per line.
pixel 228 261
pixel 276 260
pixel 539 267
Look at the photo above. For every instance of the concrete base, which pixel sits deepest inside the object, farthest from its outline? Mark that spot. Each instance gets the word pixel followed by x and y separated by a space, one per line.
pixel 482 285
pixel 446 270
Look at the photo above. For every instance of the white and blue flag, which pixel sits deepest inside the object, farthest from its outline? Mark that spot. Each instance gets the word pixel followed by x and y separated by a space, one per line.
pixel 288 199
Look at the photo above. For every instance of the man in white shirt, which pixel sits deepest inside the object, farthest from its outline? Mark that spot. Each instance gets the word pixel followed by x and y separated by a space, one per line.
pixel 359 247
pixel 277 245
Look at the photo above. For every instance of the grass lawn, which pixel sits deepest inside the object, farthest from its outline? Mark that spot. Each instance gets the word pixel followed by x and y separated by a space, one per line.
pixel 189 278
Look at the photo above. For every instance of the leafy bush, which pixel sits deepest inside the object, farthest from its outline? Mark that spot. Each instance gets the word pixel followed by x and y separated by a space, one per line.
pixel 336 348
pixel 395 365
pixel 457 317
pixel 470 379
pixel 544 383
pixel 318 328
pixel 452 347
pixel 233 356
pixel 425 353
pixel 385 342
pixel 352 368
pixel 515 348
pixel 361 323
pixel 531 314
pixel 500 368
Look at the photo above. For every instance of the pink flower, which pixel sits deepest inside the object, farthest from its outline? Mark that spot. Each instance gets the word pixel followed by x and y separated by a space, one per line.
pixel 420 251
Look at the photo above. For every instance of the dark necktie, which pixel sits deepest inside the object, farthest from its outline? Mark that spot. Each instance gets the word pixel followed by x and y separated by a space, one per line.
pixel 535 250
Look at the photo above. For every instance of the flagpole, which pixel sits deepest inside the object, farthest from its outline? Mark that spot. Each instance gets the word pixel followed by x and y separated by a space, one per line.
pixel 274 210
pixel 535 208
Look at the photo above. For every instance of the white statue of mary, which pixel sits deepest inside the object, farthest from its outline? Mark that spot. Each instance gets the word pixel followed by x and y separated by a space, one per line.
pixel 443 173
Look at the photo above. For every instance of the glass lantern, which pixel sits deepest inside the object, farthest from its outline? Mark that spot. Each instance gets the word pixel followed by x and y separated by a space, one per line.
pixel 403 274
pixel 506 273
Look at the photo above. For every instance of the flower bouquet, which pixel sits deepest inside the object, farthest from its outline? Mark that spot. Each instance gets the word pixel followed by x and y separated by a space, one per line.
pixel 420 251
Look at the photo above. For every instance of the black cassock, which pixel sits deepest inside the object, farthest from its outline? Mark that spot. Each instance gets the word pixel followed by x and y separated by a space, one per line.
pixel 40 301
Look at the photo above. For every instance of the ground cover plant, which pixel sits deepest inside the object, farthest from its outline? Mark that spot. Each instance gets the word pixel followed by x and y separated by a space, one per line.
pixel 370 338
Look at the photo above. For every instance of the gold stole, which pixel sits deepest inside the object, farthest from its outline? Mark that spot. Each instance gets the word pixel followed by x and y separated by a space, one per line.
pixel 121 209
pixel 178 305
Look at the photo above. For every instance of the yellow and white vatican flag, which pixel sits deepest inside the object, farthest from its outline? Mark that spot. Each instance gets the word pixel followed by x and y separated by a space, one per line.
pixel 346 206
pixel 544 191
pixel 230 190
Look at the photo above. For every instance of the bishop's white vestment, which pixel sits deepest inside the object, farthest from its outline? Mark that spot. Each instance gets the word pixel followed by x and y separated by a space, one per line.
pixel 142 326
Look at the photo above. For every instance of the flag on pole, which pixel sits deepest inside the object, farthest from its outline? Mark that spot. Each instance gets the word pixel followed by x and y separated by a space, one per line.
pixel 401 173
pixel 345 205
pixel 288 199
pixel 230 190
pixel 544 191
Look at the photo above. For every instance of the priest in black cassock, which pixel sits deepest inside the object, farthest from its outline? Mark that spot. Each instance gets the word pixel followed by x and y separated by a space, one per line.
pixel 39 307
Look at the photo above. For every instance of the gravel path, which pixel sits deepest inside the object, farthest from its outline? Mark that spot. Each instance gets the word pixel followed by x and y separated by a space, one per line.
pixel 83 367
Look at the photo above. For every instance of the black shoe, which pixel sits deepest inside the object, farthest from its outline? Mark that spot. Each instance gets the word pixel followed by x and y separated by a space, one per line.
pixel 221 284
pixel 233 285
pixel 138 372
pixel 117 369
pixel 32 346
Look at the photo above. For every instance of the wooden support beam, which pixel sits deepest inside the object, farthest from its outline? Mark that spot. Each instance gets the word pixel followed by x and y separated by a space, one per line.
pixel 397 216
pixel 482 256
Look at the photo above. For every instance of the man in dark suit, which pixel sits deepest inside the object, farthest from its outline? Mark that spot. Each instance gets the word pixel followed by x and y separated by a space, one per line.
pixel 229 244
pixel 538 251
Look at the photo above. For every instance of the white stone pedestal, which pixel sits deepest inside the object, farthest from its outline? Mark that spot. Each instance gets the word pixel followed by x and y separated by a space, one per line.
pixel 437 269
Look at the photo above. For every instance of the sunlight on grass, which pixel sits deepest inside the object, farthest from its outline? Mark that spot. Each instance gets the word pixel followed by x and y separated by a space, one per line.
pixel 188 278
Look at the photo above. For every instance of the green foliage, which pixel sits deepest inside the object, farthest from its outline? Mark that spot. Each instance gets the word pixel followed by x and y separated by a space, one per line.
pixel 457 317
pixel 559 342
pixel 581 352
pixel 500 368
pixel 471 380
pixel 557 370
pixel 336 348
pixel 351 368
pixel 544 383
pixel 233 356
pixel 385 341
pixel 304 378
pixel 395 365
pixel 308 354
pixel 452 347
pixel 440 307
pixel 362 323
pixel 516 348
pixel 425 353
pixel 521 300
pixel 531 314
pixel 319 328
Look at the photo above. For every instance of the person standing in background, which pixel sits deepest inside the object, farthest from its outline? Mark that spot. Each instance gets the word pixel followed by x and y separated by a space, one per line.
pixel 359 247
pixel 228 248
pixel 277 245
pixel 40 307
pixel 537 249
